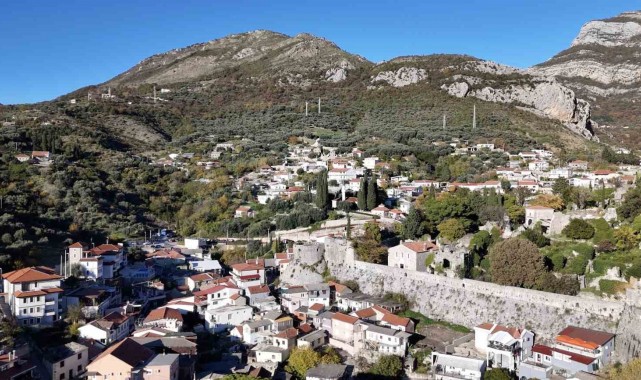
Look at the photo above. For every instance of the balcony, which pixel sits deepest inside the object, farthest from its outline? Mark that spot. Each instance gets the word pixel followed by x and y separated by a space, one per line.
pixel 50 303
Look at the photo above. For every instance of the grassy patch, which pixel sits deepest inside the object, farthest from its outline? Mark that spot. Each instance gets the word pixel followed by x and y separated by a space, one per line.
pixel 612 287
pixel 425 321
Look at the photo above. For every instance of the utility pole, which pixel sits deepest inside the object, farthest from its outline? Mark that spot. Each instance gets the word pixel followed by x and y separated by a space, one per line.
pixel 306 108
pixel 444 121
pixel 474 118
pixel 319 106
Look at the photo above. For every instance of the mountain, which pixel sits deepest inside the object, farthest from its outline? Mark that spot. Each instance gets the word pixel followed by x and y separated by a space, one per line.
pixel 243 63
pixel 603 66
pixel 260 54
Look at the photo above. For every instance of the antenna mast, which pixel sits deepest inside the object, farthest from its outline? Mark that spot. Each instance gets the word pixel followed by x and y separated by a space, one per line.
pixel 474 118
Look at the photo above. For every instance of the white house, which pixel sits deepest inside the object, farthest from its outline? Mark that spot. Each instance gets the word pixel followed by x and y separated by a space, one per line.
pixel 206 265
pixel 33 295
pixel 224 318
pixel 410 255
pixel 246 275
pixel 165 318
pixel 385 340
pixel 587 342
pixel 370 162
pixel 535 214
pixel 505 347
pixel 194 243
pixel 446 367
pixel 108 329
pixel 538 165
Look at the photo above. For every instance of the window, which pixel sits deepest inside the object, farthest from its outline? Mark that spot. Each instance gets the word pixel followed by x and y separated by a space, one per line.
pixel 79 368
pixel 80 355
pixel 62 376
pixel 62 364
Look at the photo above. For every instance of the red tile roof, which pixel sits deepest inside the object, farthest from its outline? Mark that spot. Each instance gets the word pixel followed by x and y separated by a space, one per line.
pixel 420 246
pixel 31 274
pixel 365 313
pixel 542 349
pixel 576 357
pixel 585 338
pixel 317 307
pixel 163 313
pixel 258 289
pixel 242 267
pixel 345 318
pixel 128 351
pixel 31 293
pixel 395 320
pixel 287 333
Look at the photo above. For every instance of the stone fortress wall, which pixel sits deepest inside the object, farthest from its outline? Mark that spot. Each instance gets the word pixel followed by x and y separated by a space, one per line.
pixel 470 302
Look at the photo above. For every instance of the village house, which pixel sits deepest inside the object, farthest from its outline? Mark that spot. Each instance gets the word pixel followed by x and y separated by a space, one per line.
pixel 246 275
pixel 120 361
pixel 381 211
pixel 313 340
pixel 578 165
pixel 253 332
pixel 385 340
pixel 504 347
pixel 411 255
pixel 165 318
pixel 225 318
pixel 370 162
pixel 536 214
pixel 446 367
pixel 587 342
pixel 17 366
pixel 256 293
pixel 200 280
pixel 219 295
pixel 343 328
pixel 67 361
pixel 206 265
pixel 108 329
pixel 244 212
pixel 538 165
pixel 33 295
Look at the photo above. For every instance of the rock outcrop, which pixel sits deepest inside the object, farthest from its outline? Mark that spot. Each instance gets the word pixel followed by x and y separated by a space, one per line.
pixel 401 77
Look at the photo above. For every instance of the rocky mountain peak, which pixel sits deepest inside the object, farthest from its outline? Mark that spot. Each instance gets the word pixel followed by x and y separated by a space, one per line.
pixel 623 30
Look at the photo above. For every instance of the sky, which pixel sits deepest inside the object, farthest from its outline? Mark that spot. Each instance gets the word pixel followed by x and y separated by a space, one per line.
pixel 50 48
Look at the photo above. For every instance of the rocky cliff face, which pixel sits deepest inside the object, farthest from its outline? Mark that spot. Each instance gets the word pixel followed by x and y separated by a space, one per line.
pixel 603 65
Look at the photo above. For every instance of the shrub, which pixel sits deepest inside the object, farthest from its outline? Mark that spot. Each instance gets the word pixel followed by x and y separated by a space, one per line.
pixel 579 229
pixel 536 237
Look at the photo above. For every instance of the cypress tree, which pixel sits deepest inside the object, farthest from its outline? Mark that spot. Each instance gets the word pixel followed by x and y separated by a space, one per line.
pixel 322 191
pixel 372 190
pixel 362 195
pixel 348 227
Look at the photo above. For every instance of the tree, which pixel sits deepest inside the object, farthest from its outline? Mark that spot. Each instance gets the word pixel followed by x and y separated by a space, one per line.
pixel 76 270
pixel 9 331
pixel 581 196
pixel 579 229
pixel 451 229
pixel 301 360
pixel 387 366
pixel 536 237
pixel 506 186
pixel 348 227
pixel 479 244
pixel 626 238
pixel 240 376
pixel 562 188
pixel 548 200
pixel 372 193
pixel 330 356
pixel 74 313
pixel 497 374
pixel 516 262
pixel 565 284
pixel 629 371
pixel 413 224
pixel 362 195
pixel 631 205
pixel 368 247
pixel 322 192
pixel 516 214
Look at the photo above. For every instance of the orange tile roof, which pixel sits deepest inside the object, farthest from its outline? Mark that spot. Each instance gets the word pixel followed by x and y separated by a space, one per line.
pixel 420 246
pixel 586 338
pixel 305 328
pixel 245 267
pixel 258 289
pixel 31 274
pixel 31 293
pixel 163 313
pixel 365 313
pixel 395 320
pixel 287 333
pixel 345 318
pixel 317 307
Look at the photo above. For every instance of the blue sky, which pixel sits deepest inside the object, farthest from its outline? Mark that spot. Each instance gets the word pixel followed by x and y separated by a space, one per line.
pixel 50 48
